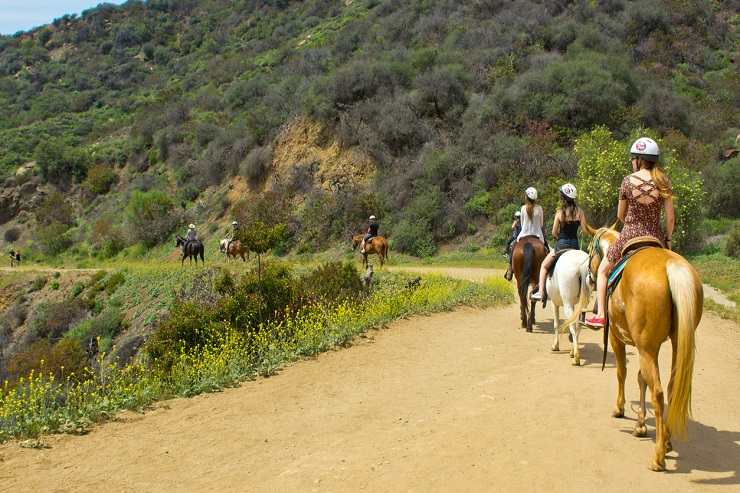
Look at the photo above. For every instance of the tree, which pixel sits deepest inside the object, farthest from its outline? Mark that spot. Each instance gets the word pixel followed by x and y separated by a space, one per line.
pixel 151 216
pixel 261 238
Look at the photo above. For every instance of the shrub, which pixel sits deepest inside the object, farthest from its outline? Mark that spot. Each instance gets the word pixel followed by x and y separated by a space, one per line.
pixel 440 91
pixel 63 359
pixel 55 209
pixel 106 238
pixel 60 163
pixel 414 237
pixel 479 204
pixel 53 239
pixel 37 284
pixel 732 246
pixel 52 319
pixel 723 188
pixel 257 163
pixel 333 282
pixel 100 178
pixel 113 282
pixel 151 216
pixel 11 235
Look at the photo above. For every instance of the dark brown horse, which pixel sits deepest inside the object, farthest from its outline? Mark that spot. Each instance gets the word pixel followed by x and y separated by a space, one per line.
pixel 378 245
pixel 527 256
pixel 190 249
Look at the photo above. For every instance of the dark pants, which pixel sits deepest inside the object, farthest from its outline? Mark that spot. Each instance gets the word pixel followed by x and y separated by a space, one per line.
pixel 368 237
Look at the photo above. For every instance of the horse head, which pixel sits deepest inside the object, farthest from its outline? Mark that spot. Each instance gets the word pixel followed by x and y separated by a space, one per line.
pixel 222 245
pixel 603 238
pixel 356 240
pixel 179 241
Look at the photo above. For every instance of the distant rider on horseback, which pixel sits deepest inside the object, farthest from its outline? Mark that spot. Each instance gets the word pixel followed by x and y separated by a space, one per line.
pixel 532 222
pixel 234 235
pixel 642 196
pixel 372 232
pixel 568 218
pixel 191 234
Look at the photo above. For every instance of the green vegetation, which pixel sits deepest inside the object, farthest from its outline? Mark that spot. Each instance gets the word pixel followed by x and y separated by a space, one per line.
pixel 458 106
pixel 188 357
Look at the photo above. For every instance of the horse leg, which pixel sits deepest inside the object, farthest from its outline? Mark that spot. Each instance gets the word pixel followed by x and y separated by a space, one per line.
pixel 621 357
pixel 530 319
pixel 575 351
pixel 674 347
pixel 556 326
pixel 640 427
pixel 651 375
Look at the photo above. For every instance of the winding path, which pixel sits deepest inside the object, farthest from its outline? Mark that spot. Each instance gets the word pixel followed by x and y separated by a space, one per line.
pixel 461 401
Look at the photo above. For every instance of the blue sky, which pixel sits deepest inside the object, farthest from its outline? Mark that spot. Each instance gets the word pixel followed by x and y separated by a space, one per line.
pixel 22 15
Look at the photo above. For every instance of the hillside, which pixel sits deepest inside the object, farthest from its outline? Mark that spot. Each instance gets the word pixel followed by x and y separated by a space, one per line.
pixel 119 126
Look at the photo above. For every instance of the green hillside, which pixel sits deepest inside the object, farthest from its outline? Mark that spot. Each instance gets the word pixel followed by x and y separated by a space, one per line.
pixel 457 106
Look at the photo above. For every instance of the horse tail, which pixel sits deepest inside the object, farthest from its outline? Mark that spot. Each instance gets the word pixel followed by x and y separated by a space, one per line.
pixel 688 297
pixel 386 249
pixel 528 263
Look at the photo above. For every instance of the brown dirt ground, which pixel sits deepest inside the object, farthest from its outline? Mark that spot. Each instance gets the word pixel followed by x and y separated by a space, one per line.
pixel 461 401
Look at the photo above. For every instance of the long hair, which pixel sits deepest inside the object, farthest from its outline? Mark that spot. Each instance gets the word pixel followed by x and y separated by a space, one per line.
pixel 529 207
pixel 658 177
pixel 568 208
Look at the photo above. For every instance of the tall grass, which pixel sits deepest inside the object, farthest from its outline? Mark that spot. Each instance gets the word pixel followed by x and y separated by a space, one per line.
pixel 42 404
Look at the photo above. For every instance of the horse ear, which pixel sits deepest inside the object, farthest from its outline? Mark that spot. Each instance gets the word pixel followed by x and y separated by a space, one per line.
pixel 614 224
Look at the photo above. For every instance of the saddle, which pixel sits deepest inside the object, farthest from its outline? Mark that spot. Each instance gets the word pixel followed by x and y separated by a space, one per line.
pixel 630 248
pixel 551 269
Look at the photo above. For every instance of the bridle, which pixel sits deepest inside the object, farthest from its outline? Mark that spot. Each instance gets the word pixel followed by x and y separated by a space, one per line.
pixel 595 250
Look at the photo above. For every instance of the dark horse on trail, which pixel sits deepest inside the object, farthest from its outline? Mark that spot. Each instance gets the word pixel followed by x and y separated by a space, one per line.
pixel 190 249
pixel 526 258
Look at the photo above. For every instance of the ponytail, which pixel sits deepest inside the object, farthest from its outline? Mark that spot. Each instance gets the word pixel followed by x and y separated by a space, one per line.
pixel 529 207
pixel 659 178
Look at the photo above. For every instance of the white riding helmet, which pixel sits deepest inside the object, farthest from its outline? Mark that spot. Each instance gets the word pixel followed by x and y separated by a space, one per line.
pixel 646 148
pixel 234 223
pixel 531 193
pixel 518 214
pixel 192 226
pixel 372 217
pixel 569 190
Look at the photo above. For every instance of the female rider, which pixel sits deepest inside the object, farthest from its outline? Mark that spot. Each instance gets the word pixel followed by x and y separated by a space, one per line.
pixel 532 221
pixel 516 227
pixel 642 196
pixel 568 218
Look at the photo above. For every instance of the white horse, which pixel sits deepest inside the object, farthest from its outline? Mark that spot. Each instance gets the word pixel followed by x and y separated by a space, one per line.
pixel 569 288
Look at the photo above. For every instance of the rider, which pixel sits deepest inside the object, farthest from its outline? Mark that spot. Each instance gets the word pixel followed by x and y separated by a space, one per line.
pixel 568 218
pixel 372 232
pixel 642 195
pixel 532 222
pixel 234 235
pixel 191 234
pixel 516 227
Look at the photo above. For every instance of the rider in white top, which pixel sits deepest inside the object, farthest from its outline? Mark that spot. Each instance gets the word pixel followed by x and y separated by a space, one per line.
pixel 532 226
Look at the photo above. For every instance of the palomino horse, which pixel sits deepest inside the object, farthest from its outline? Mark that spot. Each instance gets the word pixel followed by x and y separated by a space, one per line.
pixel 190 249
pixel 378 246
pixel 526 258
pixel 569 288
pixel 660 296
pixel 233 248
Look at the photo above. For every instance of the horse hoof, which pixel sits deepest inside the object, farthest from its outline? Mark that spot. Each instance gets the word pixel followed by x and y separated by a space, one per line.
pixel 640 431
pixel 618 413
pixel 657 467
pixel 555 348
pixel 572 354
pixel 576 362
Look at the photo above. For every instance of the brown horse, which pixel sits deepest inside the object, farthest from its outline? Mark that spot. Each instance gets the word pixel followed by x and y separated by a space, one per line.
pixel 234 249
pixel 527 256
pixel 378 245
pixel 660 296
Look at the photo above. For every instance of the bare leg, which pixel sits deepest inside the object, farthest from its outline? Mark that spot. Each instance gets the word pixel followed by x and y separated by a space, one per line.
pixel 543 272
pixel 621 357
pixel 604 269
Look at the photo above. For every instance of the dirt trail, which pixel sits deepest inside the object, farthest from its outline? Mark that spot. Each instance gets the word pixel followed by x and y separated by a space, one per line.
pixel 462 401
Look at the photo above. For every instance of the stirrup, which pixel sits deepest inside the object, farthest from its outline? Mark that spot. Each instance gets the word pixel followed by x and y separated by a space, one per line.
pixel 537 296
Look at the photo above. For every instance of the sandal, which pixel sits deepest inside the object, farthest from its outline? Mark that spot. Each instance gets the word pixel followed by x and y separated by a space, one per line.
pixel 595 321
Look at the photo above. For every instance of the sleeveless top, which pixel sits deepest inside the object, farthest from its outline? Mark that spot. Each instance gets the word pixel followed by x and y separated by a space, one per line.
pixel 644 204
pixel 569 229
pixel 533 226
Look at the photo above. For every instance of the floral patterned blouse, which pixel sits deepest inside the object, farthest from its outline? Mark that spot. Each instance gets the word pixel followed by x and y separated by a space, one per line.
pixel 644 204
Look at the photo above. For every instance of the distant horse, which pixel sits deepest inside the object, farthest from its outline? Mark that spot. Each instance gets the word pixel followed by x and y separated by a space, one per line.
pixel 526 258
pixel 378 245
pixel 659 296
pixel 569 288
pixel 233 248
pixel 190 249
